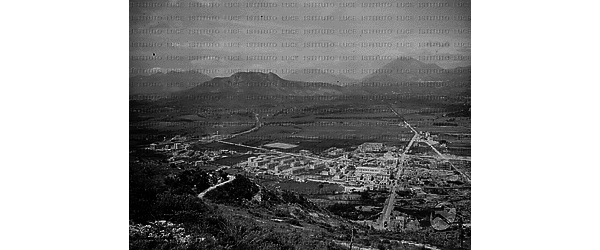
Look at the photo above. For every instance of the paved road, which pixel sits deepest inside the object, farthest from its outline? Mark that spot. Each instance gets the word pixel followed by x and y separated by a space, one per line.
pixel 257 125
pixel 458 187
pixel 231 178
pixel 468 178
pixel 389 205
pixel 325 181
pixel 456 158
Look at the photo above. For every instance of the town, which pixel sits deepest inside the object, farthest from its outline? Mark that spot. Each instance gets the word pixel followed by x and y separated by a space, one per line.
pixel 411 183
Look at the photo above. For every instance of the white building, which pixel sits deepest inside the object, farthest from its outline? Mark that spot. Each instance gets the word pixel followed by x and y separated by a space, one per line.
pixel 371 170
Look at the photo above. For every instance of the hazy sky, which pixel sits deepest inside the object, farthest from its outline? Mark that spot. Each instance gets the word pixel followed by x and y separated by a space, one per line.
pixel 201 35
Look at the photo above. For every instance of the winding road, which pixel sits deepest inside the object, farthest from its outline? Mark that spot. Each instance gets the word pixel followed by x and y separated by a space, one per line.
pixel 230 177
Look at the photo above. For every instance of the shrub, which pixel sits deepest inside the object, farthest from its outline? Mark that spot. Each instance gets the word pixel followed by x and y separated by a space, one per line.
pixel 179 208
pixel 236 192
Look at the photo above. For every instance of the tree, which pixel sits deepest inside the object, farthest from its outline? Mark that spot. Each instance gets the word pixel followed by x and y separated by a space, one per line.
pixel 178 207
pixel 352 238
pixel 366 242
pixel 144 186
pixel 365 196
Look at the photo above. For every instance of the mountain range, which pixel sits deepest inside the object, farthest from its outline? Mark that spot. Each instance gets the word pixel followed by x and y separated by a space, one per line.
pixel 408 69
pixel 165 84
pixel 401 76
pixel 255 83
pixel 319 75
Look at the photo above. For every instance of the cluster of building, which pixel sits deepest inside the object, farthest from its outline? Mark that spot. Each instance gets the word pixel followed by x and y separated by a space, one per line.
pixel 400 222
pixel 175 143
pixel 180 151
pixel 335 151
pixel 369 167
pixel 283 164
pixel 167 146
pixel 370 147
pixel 372 166
pixel 429 138
pixel 428 177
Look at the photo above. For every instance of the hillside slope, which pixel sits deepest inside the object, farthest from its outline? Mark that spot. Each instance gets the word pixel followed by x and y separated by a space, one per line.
pixel 318 75
pixel 165 213
pixel 161 84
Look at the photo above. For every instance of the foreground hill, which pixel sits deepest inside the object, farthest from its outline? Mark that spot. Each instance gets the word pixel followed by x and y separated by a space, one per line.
pixel 165 213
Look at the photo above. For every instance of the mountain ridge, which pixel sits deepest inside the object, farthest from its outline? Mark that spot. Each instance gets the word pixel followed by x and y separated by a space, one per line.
pixel 165 83
pixel 319 75
pixel 407 69
pixel 401 76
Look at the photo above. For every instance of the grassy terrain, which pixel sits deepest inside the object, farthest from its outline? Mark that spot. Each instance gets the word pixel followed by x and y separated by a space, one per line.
pixel 350 116
pixel 166 214
pixel 283 218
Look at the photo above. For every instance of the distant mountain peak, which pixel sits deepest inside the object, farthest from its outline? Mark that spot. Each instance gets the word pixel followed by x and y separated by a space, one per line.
pixel 254 76
pixel 320 75
pixel 189 71
pixel 242 73
pixel 407 62
pixel 407 69
pixel 160 83
pixel 274 76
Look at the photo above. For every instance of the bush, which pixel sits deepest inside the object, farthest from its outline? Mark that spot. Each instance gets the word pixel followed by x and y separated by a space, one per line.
pixel 145 183
pixel 191 181
pixel 366 242
pixel 179 208
pixel 236 192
